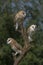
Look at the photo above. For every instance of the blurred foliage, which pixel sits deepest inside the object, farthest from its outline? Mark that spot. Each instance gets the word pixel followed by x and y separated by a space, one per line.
pixel 34 11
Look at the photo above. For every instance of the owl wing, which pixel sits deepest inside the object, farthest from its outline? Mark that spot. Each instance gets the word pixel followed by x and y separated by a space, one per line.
pixel 18 46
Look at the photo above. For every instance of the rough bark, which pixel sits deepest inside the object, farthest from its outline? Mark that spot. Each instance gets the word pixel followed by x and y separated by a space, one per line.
pixel 25 48
pixel 21 56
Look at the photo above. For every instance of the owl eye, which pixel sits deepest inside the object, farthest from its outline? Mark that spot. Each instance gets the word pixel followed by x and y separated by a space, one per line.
pixel 23 13
pixel 8 40
pixel 32 26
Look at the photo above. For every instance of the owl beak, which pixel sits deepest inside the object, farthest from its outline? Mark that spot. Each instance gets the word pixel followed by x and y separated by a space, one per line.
pixel 36 27
pixel 25 16
pixel 8 42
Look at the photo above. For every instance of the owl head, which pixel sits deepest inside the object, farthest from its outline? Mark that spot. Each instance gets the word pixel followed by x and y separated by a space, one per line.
pixel 32 27
pixel 21 14
pixel 9 40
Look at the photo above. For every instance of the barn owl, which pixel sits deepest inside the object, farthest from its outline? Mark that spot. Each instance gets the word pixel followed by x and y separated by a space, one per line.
pixel 15 46
pixel 19 18
pixel 30 32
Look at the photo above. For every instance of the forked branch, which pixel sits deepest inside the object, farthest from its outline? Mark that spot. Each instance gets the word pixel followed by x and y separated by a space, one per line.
pixel 21 56
pixel 25 48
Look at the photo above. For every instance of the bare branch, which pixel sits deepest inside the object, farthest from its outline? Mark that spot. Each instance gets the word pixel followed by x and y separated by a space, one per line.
pixel 22 55
pixel 26 46
pixel 24 34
